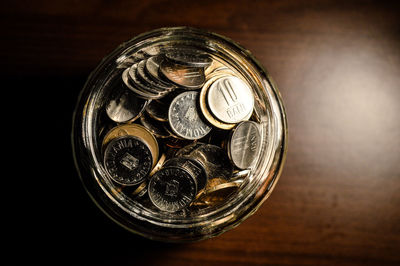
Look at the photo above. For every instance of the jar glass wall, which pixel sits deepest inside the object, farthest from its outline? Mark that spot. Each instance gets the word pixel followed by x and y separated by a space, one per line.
pixel 195 222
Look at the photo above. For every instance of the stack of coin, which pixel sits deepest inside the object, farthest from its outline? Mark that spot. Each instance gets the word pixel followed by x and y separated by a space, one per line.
pixel 226 100
pixel 182 130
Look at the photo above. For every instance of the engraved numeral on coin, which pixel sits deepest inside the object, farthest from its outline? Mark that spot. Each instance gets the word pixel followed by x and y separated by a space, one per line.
pixel 225 87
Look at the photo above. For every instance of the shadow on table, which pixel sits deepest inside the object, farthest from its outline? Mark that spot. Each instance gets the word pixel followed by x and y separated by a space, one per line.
pixel 52 218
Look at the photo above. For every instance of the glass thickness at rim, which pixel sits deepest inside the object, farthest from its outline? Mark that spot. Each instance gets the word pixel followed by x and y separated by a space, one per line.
pixel 86 153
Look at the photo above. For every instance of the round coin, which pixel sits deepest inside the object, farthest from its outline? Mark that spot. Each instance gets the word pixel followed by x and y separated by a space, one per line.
pixel 138 91
pixel 152 83
pixel 135 130
pixel 124 106
pixel 172 189
pixel 189 57
pixel 152 67
pixel 141 85
pixel 188 77
pixel 184 118
pixel 244 144
pixel 192 166
pixel 128 160
pixel 204 109
pixel 230 99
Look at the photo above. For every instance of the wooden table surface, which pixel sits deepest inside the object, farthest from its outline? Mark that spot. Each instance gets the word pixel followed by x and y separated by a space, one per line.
pixel 337 65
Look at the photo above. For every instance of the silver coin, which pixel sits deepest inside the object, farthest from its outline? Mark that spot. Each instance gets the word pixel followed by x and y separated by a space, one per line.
pixel 152 67
pixel 189 57
pixel 241 175
pixel 142 86
pixel 215 161
pixel 140 83
pixel 188 77
pixel 128 160
pixel 194 167
pixel 155 84
pixel 172 189
pixel 230 99
pixel 135 89
pixel 184 118
pixel 244 144
pixel 124 106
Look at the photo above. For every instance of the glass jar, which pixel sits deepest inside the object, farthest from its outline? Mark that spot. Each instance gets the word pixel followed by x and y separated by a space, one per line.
pixel 194 222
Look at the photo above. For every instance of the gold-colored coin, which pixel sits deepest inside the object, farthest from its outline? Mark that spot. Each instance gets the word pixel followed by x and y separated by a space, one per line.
pixel 159 164
pixel 214 66
pixel 203 105
pixel 218 193
pixel 139 189
pixel 211 183
pixel 134 130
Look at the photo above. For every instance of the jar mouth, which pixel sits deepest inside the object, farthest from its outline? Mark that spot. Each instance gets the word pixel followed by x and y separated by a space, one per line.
pixel 205 222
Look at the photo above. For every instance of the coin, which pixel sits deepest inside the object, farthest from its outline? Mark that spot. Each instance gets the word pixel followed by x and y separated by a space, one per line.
pixel 240 175
pixel 244 144
pixel 158 110
pixel 154 126
pixel 136 130
pixel 204 109
pixel 128 160
pixel 152 67
pixel 219 72
pixel 147 89
pixel 124 106
pixel 213 67
pixel 215 161
pixel 159 164
pixel 230 99
pixel 189 57
pixel 172 189
pixel 184 118
pixel 138 91
pixel 188 77
pixel 148 81
pixel 194 167
pixel 140 83
pixel 218 193
pixel 140 190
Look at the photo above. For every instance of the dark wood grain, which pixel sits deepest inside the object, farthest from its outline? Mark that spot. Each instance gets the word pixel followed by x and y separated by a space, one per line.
pixel 337 64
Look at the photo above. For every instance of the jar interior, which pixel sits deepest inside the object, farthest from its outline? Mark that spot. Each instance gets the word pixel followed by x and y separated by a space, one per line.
pixel 96 123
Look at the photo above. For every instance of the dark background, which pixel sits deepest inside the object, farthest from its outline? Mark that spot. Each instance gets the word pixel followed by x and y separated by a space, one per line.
pixel 337 65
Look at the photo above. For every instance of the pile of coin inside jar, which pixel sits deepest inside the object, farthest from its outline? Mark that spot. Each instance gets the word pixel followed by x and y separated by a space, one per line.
pixel 182 134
